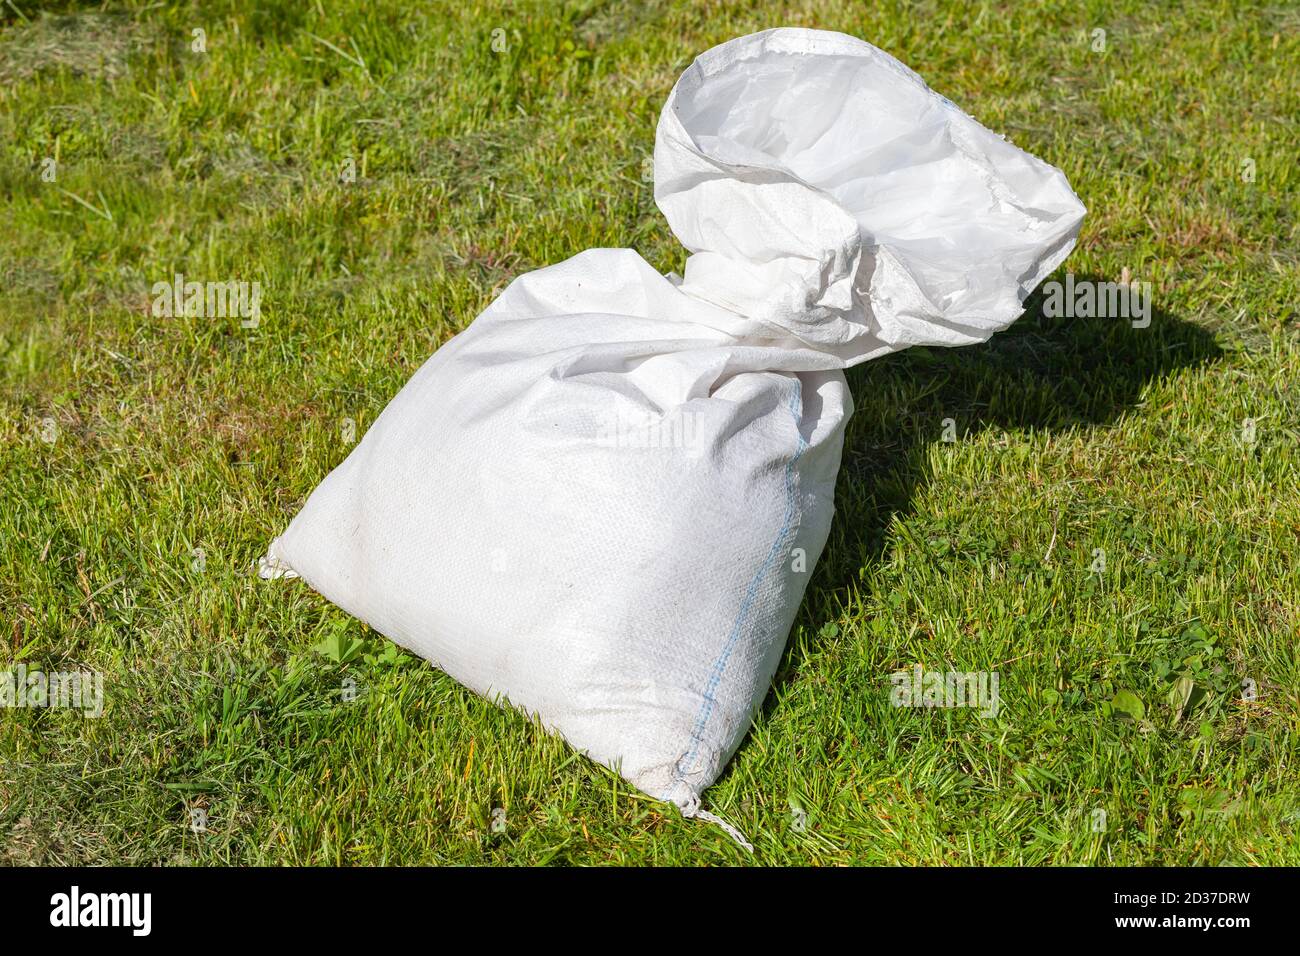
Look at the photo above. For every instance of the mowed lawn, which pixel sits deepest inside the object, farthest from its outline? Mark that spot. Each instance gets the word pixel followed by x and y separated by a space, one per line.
pixel 1114 528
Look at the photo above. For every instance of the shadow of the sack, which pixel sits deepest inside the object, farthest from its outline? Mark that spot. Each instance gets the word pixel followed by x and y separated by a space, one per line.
pixel 1045 374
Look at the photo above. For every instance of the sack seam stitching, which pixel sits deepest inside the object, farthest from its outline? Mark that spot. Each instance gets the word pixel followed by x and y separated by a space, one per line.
pixel 685 764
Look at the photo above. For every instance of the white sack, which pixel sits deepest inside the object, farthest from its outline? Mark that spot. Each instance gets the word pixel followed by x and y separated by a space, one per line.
pixel 592 501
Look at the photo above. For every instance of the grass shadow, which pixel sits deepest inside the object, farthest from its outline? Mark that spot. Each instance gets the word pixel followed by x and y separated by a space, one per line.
pixel 1043 374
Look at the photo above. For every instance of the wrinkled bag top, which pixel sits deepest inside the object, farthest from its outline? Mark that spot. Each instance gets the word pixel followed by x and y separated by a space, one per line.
pixel 831 200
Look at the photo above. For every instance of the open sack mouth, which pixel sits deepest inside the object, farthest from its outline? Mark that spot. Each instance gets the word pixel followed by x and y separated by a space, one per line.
pixel 876 214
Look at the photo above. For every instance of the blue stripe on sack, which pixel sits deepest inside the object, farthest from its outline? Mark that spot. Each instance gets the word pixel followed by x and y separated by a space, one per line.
pixel 720 665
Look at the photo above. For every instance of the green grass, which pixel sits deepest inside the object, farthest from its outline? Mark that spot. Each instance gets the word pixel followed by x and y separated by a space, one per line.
pixel 172 435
